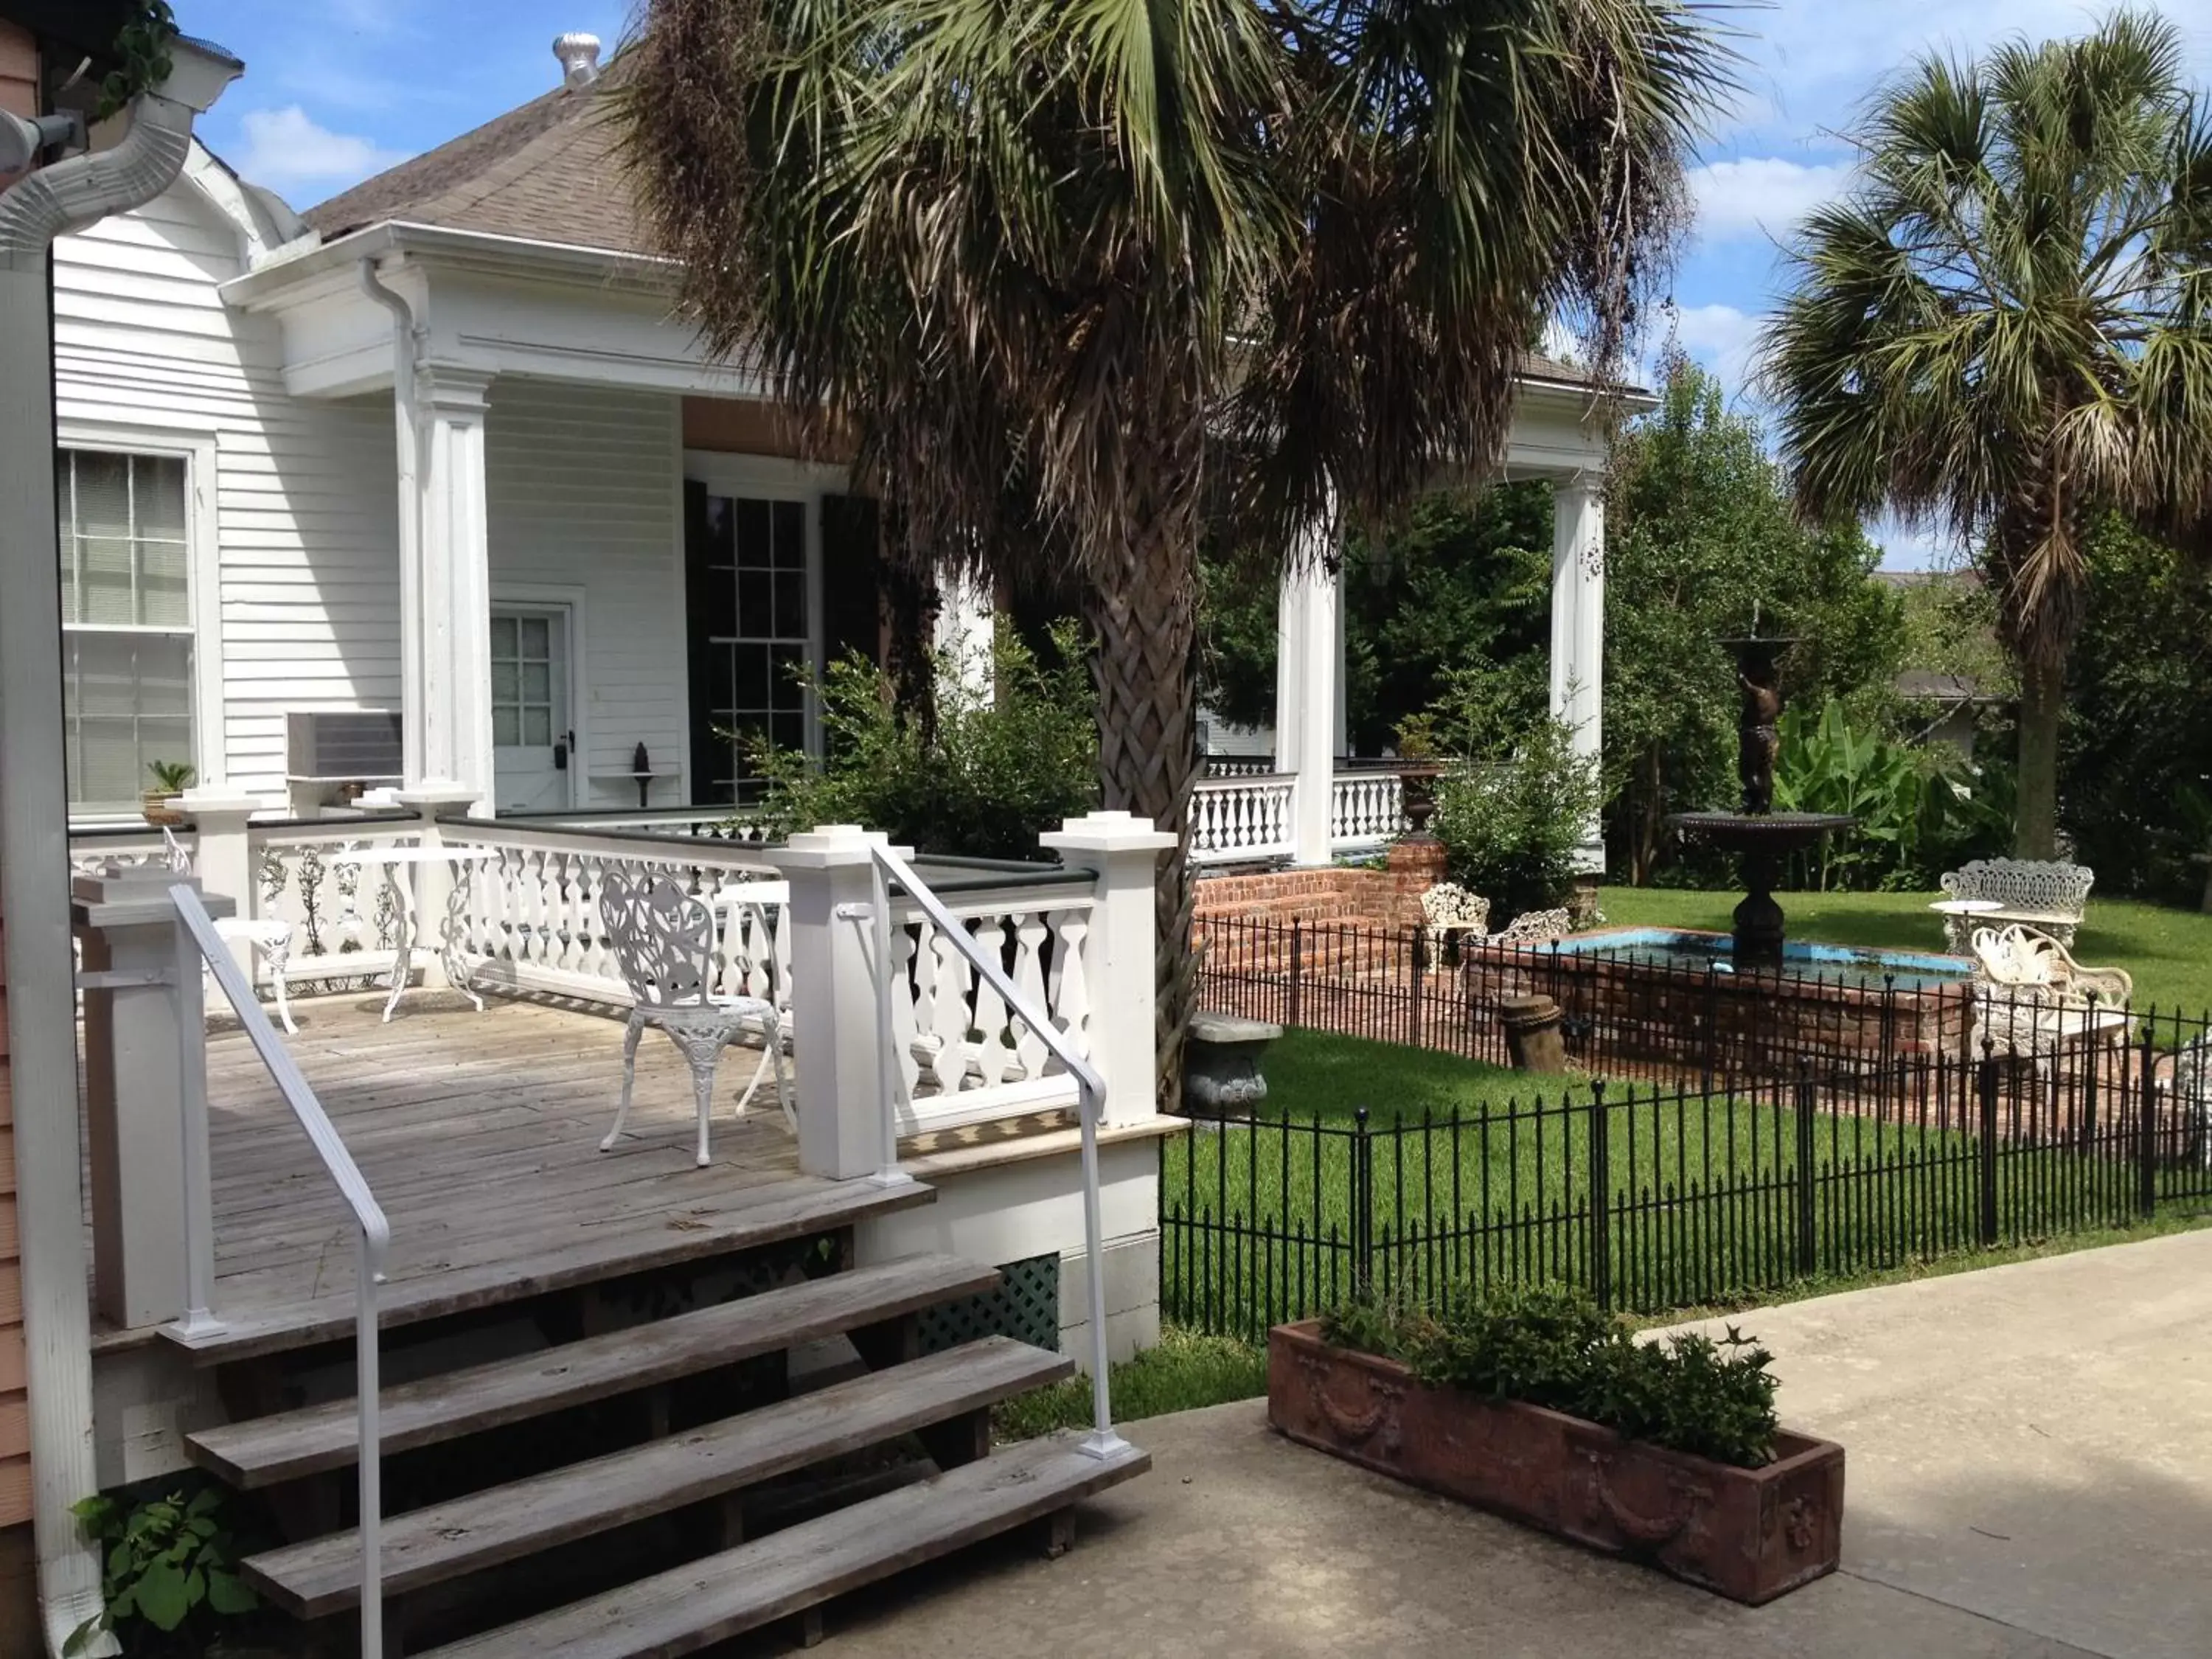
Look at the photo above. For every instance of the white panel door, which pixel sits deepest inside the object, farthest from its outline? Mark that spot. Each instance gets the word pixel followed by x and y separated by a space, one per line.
pixel 534 763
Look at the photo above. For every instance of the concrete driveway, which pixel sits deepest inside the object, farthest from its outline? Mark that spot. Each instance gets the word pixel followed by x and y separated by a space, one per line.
pixel 2030 1476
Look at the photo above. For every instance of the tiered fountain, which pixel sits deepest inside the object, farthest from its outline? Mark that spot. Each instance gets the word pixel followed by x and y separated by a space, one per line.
pixel 1761 837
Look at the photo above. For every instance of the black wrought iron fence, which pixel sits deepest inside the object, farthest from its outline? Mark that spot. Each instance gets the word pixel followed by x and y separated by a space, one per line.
pixel 1657 1197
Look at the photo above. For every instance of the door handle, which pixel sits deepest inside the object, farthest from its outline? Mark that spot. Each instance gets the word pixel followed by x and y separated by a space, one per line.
pixel 561 745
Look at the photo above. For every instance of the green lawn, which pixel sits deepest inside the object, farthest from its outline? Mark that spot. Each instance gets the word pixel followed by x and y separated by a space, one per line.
pixel 1318 1074
pixel 2168 953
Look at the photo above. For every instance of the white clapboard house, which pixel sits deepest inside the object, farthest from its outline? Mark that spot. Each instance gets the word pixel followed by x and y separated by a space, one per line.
pixel 424 491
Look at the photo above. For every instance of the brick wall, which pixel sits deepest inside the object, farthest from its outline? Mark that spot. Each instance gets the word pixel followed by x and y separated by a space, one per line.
pixel 1389 898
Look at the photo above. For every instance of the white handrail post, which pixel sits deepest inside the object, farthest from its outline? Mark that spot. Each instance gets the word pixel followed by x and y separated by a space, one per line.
pixel 366 1269
pixel 198 1318
pixel 145 1099
pixel 836 1043
pixel 888 1174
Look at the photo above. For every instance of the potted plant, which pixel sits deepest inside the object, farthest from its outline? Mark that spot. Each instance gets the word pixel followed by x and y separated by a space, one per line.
pixel 1418 771
pixel 171 779
pixel 1535 1406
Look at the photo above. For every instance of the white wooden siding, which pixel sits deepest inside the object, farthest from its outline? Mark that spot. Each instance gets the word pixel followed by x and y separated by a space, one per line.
pixel 304 499
pixel 582 486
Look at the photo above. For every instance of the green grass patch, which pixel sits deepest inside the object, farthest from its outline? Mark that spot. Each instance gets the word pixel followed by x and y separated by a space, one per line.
pixel 1317 1074
pixel 2168 953
pixel 1188 1369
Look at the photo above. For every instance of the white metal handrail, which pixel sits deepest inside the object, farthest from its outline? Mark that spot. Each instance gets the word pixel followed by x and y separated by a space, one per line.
pixel 1090 1089
pixel 200 940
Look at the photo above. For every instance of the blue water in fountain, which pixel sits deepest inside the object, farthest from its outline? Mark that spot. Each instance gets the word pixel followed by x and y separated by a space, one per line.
pixel 1670 947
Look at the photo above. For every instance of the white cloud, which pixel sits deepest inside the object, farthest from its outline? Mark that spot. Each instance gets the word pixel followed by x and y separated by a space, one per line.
pixel 1722 337
pixel 285 149
pixel 1760 195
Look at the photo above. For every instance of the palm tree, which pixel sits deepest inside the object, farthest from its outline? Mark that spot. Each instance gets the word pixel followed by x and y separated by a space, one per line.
pixel 1062 276
pixel 2005 328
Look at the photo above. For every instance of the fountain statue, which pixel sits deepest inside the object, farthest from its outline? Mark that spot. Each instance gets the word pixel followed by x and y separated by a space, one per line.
pixel 1760 836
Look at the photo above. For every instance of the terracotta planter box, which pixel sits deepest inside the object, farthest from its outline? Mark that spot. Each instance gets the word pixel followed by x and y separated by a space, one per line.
pixel 1750 1534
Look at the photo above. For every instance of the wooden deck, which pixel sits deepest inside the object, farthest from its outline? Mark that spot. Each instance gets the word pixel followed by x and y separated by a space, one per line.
pixel 479 1135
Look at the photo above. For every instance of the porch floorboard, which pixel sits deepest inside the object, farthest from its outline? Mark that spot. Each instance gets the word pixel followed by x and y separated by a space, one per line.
pixel 479 1135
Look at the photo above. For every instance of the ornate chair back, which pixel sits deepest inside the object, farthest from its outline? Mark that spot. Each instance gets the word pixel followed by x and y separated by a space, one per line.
pixel 663 940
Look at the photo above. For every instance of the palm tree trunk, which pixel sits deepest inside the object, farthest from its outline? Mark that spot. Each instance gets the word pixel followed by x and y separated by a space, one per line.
pixel 2041 701
pixel 1144 613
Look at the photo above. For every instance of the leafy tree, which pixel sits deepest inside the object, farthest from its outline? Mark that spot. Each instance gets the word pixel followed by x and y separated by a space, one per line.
pixel 2135 768
pixel 1467 577
pixel 1050 271
pixel 1700 539
pixel 2005 326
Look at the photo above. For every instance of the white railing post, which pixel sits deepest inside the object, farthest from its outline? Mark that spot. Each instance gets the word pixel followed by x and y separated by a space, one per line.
pixel 1124 852
pixel 222 856
pixel 145 1099
pixel 836 1042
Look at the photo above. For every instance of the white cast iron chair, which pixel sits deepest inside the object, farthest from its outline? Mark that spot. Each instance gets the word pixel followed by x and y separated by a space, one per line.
pixel 271 937
pixel 664 946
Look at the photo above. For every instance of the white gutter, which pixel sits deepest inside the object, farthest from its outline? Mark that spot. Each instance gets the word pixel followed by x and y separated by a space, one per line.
pixel 409 337
pixel 34 869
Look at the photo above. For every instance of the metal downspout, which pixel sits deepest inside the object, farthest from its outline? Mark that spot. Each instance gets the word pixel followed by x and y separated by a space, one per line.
pixel 34 870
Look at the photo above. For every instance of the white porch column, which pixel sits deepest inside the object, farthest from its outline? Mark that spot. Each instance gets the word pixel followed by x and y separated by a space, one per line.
pixel 963 630
pixel 448 605
pixel 1578 628
pixel 1309 668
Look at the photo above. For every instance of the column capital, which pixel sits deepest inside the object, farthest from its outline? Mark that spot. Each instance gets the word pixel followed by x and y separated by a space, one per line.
pixel 450 388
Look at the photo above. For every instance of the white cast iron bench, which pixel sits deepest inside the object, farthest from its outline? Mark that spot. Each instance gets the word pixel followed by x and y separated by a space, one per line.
pixel 2046 895
pixel 2035 1000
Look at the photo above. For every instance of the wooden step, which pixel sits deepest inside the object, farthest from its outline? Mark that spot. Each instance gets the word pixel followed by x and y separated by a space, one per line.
pixel 288 1444
pixel 787 1572
pixel 559 1257
pixel 428 1545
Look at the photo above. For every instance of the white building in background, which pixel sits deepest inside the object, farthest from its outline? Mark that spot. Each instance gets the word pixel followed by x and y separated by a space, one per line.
pixel 435 452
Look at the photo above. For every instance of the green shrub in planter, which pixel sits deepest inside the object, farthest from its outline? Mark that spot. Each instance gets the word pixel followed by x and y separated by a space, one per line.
pixel 1551 1346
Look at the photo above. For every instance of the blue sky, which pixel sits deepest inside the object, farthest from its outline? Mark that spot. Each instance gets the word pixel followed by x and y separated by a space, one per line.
pixel 337 89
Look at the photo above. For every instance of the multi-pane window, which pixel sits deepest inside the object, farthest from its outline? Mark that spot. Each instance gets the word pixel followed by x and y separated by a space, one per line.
pixel 522 676
pixel 754 609
pixel 126 622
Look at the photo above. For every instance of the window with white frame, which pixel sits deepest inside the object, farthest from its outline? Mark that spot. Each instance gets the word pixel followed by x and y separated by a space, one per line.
pixel 127 640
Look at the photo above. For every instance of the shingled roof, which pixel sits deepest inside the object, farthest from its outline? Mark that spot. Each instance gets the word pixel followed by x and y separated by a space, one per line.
pixel 547 170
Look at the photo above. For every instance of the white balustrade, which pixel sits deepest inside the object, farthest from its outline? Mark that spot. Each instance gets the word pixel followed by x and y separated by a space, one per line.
pixel 94 851
pixel 1366 811
pixel 962 1057
pixel 1240 819
pixel 344 924
pixel 1234 819
pixel 530 917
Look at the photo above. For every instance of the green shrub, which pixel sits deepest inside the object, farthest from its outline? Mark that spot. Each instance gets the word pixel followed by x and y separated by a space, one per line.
pixel 1510 816
pixel 1547 1345
pixel 983 778
pixel 170 1571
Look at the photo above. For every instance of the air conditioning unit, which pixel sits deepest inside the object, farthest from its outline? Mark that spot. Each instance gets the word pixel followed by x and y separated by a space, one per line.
pixel 345 745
